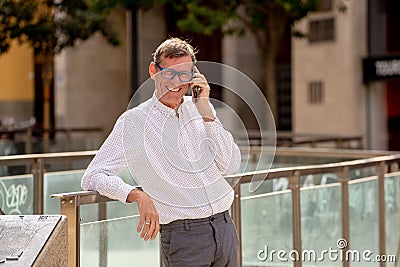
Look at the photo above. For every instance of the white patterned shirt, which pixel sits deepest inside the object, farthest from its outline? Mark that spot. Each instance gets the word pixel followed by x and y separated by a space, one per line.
pixel 175 156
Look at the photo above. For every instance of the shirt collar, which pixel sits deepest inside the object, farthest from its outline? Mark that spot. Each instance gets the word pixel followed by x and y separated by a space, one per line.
pixel 163 108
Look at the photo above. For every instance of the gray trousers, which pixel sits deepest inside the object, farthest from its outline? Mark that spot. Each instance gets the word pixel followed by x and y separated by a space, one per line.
pixel 211 241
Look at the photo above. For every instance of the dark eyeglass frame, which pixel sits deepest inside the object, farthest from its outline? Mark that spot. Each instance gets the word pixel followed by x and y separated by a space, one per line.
pixel 175 73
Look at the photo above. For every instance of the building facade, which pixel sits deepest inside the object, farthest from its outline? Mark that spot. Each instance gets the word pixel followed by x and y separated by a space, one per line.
pixel 16 85
pixel 331 93
pixel 324 90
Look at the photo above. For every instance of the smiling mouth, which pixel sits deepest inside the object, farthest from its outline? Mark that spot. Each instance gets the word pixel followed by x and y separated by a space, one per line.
pixel 174 89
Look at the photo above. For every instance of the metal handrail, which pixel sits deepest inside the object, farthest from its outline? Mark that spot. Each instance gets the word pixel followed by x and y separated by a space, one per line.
pixel 279 151
pixel 50 157
pixel 319 152
pixel 70 202
pixel 37 162
pixel 291 139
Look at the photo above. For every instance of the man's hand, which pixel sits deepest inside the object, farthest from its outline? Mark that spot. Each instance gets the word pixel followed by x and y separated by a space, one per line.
pixel 149 222
pixel 201 103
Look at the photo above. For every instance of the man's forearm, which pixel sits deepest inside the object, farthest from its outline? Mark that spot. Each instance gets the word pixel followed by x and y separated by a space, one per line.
pixel 204 109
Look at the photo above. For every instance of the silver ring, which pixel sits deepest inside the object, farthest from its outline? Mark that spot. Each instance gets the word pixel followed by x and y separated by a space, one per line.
pixel 146 223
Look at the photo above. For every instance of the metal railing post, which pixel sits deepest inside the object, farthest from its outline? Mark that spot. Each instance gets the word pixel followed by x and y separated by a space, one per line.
pixel 339 143
pixel 360 143
pixel 38 180
pixel 344 177
pixel 380 171
pixel 70 207
pixel 394 167
pixel 294 185
pixel 237 218
pixel 103 238
pixel 68 140
pixel 28 141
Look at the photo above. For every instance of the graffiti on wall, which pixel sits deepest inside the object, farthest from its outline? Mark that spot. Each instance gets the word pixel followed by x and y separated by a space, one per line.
pixel 14 197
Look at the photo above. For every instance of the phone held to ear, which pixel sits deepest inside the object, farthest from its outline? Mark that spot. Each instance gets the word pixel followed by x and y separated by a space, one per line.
pixel 195 91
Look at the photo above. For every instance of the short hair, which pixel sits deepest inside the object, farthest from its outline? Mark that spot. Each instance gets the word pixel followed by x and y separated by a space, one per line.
pixel 174 47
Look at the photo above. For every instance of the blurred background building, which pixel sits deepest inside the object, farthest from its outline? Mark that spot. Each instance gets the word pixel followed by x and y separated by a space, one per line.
pixel 16 83
pixel 322 87
pixel 332 90
pixel 342 78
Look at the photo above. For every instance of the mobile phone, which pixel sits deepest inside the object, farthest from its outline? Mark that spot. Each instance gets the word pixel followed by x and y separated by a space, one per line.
pixel 195 91
pixel 195 88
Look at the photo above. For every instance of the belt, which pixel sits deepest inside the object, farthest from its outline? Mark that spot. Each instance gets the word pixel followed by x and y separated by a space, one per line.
pixel 187 223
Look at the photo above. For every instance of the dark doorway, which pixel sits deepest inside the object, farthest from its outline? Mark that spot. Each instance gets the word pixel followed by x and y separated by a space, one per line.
pixel 209 47
pixel 393 114
pixel 284 82
pixel 393 86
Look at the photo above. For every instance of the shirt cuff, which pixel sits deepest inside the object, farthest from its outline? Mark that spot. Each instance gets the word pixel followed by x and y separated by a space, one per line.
pixel 213 127
pixel 127 190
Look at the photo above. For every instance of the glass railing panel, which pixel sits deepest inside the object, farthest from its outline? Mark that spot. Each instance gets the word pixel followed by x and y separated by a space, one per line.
pixel 10 148
pixel 67 164
pixel 392 202
pixel 267 186
pixel 117 209
pixel 362 172
pixel 61 182
pixel 70 181
pixel 116 243
pixel 364 220
pixel 291 161
pixel 318 179
pixel 16 194
pixel 253 162
pixel 280 184
pixel 78 142
pixel 266 226
pixel 320 223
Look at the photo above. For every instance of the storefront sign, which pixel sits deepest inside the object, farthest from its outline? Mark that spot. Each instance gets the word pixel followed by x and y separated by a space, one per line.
pixel 381 68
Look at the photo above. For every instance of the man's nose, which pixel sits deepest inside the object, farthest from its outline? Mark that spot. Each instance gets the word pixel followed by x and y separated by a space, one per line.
pixel 176 81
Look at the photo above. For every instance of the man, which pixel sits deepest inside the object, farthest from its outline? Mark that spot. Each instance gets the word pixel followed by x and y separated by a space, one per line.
pixel 178 152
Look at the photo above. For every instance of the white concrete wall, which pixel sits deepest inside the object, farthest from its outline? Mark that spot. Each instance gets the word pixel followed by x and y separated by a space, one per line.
pixel 339 65
pixel 377 134
pixel 153 31
pixel 95 90
pixel 243 54
pixel 92 86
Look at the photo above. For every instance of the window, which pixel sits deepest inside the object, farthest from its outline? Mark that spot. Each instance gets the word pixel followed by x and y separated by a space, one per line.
pixel 316 92
pixel 392 28
pixel 321 30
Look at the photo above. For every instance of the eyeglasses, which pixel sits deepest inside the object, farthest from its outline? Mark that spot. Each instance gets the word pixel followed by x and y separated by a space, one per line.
pixel 167 73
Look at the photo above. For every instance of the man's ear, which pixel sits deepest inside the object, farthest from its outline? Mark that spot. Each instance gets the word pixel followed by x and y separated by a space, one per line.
pixel 152 69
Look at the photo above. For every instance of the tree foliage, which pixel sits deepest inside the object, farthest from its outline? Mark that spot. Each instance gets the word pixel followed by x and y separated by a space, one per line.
pixel 205 16
pixel 48 26
pixel 266 20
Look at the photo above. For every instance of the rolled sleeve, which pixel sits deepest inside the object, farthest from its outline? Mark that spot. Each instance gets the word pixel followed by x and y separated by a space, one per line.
pixel 101 174
pixel 227 153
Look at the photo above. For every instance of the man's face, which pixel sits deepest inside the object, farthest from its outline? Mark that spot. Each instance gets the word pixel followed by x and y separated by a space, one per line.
pixel 171 91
